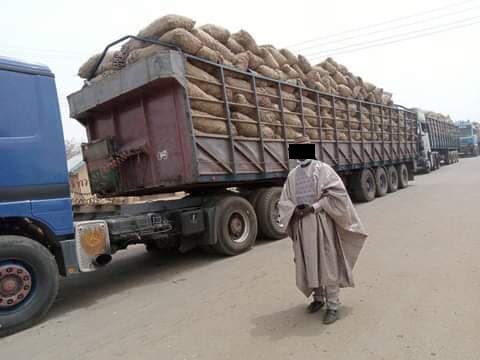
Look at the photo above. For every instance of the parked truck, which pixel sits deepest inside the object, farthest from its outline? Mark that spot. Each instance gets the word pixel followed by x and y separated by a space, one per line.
pixel 141 140
pixel 469 138
pixel 438 141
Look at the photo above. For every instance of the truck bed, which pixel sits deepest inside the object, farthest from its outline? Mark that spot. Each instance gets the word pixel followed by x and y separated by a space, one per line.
pixel 142 140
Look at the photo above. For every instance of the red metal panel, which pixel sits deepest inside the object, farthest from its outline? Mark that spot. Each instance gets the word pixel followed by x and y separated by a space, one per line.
pixel 157 120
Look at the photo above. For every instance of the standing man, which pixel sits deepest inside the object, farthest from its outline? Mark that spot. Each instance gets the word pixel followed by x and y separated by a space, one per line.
pixel 326 231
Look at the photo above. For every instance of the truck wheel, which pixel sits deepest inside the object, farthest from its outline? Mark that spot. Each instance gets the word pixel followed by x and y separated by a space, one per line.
pixel 381 181
pixel 236 225
pixel 267 214
pixel 253 197
pixel 428 167
pixel 402 176
pixel 392 179
pixel 363 186
pixel 28 283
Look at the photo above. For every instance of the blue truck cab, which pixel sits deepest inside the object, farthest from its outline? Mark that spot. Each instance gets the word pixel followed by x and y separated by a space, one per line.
pixel 36 220
pixel 468 138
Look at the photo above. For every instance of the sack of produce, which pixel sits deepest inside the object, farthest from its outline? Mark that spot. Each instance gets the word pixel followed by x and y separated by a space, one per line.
pixel 204 122
pixel 165 24
pixel 217 32
pixel 183 39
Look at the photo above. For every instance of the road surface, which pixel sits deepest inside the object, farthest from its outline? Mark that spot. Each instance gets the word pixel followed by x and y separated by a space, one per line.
pixel 417 294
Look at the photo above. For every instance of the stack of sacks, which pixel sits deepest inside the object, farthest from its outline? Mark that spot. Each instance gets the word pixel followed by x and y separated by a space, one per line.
pixel 240 50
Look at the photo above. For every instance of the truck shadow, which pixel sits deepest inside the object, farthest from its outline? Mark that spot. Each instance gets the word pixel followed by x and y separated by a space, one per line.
pixel 130 270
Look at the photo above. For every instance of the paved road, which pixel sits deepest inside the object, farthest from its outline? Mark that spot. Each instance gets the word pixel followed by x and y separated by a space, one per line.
pixel 417 294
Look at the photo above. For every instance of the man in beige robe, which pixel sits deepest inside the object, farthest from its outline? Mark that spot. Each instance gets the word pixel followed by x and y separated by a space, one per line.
pixel 326 231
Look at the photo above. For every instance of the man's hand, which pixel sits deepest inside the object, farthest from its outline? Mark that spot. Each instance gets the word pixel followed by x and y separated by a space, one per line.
pixel 302 210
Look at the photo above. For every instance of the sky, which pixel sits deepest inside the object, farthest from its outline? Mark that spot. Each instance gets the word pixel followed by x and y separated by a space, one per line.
pixel 439 72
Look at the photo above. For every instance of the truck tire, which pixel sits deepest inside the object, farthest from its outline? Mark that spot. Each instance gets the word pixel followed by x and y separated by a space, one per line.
pixel 363 186
pixel 381 181
pixel 402 176
pixel 253 197
pixel 392 179
pixel 236 225
pixel 267 214
pixel 428 167
pixel 28 283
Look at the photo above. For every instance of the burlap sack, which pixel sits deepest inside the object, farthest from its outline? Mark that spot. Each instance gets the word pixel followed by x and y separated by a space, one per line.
pixel 340 79
pixel 183 39
pixel 238 84
pixel 87 67
pixel 356 92
pixel 209 54
pixel 320 70
pixel 292 119
pixel 119 60
pixel 201 76
pixel 217 32
pixel 301 74
pixel 304 64
pixel 313 133
pixel 269 59
pixel 241 61
pixel 289 71
pixel 343 69
pixel 241 104
pixel 368 86
pixel 165 24
pixel 307 103
pixel 345 90
pixel 249 127
pixel 133 44
pixel 314 76
pixel 247 41
pixel 277 55
pixel 310 117
pixel 214 44
pixel 291 58
pixel 268 72
pixel 204 102
pixel 204 122
pixel 234 46
pixel 142 53
pixel 254 61
pixel 328 66
pixel 291 133
pixel 342 136
pixel 289 101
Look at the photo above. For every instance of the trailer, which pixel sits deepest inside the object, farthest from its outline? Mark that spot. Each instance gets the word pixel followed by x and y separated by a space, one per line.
pixel 142 140
pixel 437 142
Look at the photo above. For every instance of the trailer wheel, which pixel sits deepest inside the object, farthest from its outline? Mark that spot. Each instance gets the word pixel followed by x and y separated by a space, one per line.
pixel 392 179
pixel 28 283
pixel 428 167
pixel 267 214
pixel 363 186
pixel 402 176
pixel 236 225
pixel 381 181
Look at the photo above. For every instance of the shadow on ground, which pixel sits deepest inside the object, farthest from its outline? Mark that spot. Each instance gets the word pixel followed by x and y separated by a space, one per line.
pixel 129 270
pixel 294 322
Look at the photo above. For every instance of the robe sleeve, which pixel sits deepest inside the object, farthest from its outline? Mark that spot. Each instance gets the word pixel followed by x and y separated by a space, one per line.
pixel 286 206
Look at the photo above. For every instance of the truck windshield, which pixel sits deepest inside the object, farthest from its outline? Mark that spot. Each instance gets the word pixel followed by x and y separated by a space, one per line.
pixel 466 131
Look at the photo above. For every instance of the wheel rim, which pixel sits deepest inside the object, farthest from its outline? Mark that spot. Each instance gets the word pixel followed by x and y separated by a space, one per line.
pixel 275 215
pixel 16 284
pixel 238 227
